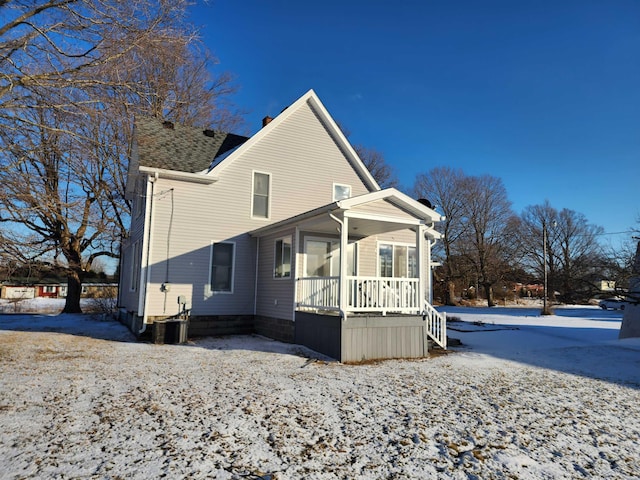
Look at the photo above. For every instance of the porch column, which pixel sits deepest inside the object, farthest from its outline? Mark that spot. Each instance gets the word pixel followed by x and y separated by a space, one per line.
pixel 422 259
pixel 342 282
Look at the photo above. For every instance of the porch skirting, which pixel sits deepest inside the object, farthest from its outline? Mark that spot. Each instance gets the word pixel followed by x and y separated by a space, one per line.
pixel 319 332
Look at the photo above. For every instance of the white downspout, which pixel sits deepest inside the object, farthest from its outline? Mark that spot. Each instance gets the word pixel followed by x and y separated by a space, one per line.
pixel 145 313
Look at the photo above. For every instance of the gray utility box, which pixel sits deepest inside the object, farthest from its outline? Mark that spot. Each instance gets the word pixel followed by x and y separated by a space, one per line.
pixel 170 331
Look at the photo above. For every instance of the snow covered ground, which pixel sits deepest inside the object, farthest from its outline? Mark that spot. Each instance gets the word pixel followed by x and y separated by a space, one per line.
pixel 524 397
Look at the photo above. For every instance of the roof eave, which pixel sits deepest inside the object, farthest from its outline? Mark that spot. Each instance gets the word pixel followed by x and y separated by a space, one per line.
pixel 178 175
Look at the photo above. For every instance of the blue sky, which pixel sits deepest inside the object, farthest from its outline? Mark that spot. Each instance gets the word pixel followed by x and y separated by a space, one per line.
pixel 543 94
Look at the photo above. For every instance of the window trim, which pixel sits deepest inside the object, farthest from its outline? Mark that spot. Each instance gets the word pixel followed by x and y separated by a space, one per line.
pixel 335 184
pixel 253 194
pixel 275 257
pixel 233 268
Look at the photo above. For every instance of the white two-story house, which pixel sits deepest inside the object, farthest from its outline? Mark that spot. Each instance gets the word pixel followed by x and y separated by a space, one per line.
pixel 284 234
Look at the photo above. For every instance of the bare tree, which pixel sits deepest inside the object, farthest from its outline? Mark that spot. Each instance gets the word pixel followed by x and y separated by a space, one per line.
pixel 73 73
pixel 488 214
pixel 375 162
pixel 575 258
pixel 378 167
pixel 580 255
pixel 533 220
pixel 443 187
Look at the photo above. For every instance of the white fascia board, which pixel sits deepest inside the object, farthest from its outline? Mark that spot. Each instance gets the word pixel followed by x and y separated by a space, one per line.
pixel 342 140
pixel 396 196
pixel 183 176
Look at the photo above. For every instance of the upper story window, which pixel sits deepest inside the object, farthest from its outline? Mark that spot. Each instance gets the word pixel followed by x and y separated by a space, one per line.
pixel 261 195
pixel 341 191
pixel 282 267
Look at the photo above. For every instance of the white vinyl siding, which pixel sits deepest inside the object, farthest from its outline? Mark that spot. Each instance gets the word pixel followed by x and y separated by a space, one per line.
pixel 275 296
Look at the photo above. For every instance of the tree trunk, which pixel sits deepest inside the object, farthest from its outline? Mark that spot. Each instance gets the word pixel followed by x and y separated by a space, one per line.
pixel 488 291
pixel 450 294
pixel 74 289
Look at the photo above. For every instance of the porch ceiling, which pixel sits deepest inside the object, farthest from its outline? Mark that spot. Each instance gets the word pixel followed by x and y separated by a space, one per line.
pixel 358 227
pixel 360 222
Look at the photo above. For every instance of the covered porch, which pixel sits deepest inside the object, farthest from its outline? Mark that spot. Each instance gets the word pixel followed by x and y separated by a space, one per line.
pixel 393 300
pixel 361 273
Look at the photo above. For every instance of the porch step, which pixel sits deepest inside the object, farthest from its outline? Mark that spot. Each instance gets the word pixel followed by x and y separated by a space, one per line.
pixel 451 342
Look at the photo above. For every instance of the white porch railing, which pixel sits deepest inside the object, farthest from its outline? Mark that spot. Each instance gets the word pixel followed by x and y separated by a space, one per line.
pixel 373 294
pixel 364 294
pixel 377 294
pixel 319 292
pixel 436 325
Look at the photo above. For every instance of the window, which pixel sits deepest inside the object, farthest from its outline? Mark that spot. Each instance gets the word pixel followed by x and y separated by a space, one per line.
pixel 49 289
pixel 282 267
pixel 138 199
pixel 261 188
pixel 397 261
pixel 323 258
pixel 135 266
pixel 222 257
pixel 341 191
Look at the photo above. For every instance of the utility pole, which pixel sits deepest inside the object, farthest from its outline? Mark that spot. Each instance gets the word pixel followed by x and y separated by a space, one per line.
pixel 545 308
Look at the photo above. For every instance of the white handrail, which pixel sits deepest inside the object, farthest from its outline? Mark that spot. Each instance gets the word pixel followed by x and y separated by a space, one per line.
pixel 436 325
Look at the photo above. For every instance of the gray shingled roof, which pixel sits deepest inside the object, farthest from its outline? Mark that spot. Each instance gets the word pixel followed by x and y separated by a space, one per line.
pixel 181 148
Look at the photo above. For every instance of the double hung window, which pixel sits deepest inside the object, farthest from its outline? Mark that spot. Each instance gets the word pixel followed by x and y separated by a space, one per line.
pixel 261 195
pixel 222 260
pixel 282 268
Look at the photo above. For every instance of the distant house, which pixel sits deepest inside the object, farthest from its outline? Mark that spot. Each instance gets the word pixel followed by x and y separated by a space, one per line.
pixel 607 286
pixel 49 290
pixel 285 234
pixel 57 290
pixel 17 292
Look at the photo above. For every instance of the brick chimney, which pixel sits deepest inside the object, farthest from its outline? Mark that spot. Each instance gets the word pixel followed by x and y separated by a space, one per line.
pixel 266 120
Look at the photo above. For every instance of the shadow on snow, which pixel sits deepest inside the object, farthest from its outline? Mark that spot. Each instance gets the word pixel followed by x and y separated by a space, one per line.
pixel 576 340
